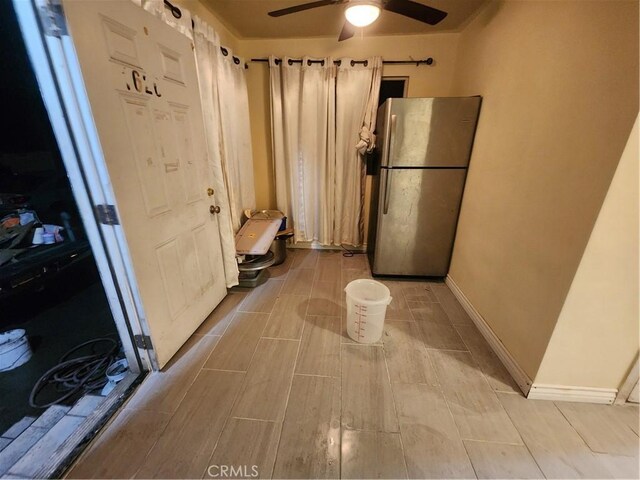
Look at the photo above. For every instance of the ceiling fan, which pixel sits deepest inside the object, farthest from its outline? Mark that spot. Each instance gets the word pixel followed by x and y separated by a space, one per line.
pixel 360 13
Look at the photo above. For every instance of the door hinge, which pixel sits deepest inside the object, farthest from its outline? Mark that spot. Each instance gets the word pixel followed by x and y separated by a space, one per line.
pixel 107 214
pixel 143 342
pixel 52 18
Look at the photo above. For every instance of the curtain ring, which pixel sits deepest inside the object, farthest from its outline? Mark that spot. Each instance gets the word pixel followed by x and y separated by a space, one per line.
pixel 366 63
pixel 338 62
pixel 175 11
pixel 353 63
pixel 309 63
pixel 322 63
pixel 278 61
pixel 290 62
pixel 224 51
pixel 236 60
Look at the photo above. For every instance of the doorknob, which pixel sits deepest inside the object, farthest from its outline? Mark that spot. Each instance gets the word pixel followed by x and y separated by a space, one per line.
pixel 214 209
pixel 210 191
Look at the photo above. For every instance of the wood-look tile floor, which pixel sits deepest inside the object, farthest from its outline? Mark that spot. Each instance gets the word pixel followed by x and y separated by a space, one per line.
pixel 271 386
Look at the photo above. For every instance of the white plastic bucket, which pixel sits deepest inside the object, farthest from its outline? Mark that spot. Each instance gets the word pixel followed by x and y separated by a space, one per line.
pixel 367 302
pixel 14 349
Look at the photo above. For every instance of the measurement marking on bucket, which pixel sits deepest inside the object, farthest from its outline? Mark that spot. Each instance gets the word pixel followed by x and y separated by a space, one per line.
pixel 361 313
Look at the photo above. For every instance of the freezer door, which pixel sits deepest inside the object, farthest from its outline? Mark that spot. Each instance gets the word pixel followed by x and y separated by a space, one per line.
pixel 417 218
pixel 436 132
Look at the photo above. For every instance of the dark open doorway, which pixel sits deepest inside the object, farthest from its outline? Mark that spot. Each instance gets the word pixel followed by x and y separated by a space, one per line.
pixel 50 288
pixel 393 87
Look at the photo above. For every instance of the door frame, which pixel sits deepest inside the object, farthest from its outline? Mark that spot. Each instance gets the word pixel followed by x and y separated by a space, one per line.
pixel 57 70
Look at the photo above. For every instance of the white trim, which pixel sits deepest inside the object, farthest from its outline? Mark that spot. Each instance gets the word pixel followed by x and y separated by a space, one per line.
pixel 518 374
pixel 568 393
pixel 317 246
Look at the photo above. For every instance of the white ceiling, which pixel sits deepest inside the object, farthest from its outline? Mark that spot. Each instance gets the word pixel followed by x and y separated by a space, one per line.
pixel 249 19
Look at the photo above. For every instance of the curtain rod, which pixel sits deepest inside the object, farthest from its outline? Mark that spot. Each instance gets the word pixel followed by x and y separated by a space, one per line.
pixel 426 61
pixel 177 13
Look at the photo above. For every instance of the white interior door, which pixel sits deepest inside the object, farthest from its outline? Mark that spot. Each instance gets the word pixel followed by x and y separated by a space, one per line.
pixel 142 85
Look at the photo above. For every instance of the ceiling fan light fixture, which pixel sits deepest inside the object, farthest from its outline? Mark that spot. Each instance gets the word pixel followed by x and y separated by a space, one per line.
pixel 362 13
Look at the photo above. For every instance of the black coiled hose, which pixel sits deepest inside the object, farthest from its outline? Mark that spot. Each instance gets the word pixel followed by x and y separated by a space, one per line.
pixel 70 375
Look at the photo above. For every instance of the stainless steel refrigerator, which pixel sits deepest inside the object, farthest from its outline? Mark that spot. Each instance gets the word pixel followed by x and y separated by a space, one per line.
pixel 424 145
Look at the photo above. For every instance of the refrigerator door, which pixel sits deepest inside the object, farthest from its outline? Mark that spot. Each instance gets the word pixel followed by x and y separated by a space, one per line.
pixel 417 218
pixel 429 132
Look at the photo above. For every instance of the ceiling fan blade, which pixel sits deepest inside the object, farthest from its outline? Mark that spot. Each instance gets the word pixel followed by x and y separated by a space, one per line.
pixel 347 31
pixel 302 7
pixel 415 10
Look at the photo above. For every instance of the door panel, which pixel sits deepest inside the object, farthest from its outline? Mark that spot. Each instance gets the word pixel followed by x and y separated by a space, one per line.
pixel 142 84
pixel 417 218
pixel 182 131
pixel 148 168
pixel 206 262
pixel 169 262
pixel 120 42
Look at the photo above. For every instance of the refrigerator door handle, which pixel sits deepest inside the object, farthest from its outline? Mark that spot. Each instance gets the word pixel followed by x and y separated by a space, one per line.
pixel 387 140
pixel 391 134
pixel 386 182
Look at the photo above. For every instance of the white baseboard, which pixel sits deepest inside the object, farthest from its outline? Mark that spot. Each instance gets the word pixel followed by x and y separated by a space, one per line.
pixel 534 391
pixel 518 374
pixel 317 246
pixel 567 393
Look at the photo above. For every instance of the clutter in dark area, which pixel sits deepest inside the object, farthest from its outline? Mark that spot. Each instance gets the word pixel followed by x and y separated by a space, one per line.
pixel 51 296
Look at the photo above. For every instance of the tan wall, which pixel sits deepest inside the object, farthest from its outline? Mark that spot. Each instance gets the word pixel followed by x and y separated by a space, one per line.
pixel 423 81
pixel 560 87
pixel 596 338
